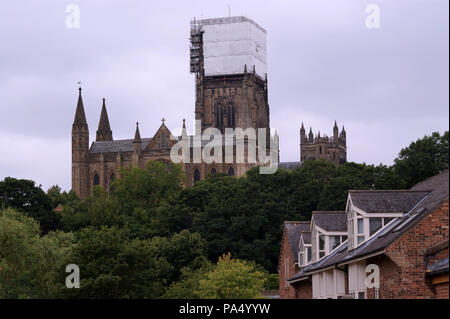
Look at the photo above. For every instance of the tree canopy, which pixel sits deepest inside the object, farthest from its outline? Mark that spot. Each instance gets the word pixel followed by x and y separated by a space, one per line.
pixel 24 195
pixel 423 158
pixel 149 237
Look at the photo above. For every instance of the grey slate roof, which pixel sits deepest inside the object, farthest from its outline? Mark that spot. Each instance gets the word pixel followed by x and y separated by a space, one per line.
pixel 293 231
pixel 306 237
pixel 438 187
pixel 116 146
pixel 386 201
pixel 438 267
pixel 289 165
pixel 331 220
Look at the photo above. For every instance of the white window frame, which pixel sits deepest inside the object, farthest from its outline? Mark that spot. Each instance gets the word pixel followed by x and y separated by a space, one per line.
pixel 353 214
pixel 315 247
pixel 307 262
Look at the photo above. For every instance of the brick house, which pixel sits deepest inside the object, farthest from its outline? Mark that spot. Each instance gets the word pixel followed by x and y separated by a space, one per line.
pixel 399 235
pixel 288 262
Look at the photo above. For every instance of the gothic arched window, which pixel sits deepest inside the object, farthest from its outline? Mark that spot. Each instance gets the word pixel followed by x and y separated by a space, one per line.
pixel 213 170
pixel 96 180
pixel 231 171
pixel 163 141
pixel 196 175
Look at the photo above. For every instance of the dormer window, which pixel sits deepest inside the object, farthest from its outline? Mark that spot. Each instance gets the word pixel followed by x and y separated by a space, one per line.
pixel 370 211
pixel 328 231
pixel 301 258
pixel 335 241
pixel 376 223
pixel 321 245
pixel 304 253
pixel 361 228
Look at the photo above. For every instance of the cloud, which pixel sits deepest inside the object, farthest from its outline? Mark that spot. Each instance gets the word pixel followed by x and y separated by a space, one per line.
pixel 388 86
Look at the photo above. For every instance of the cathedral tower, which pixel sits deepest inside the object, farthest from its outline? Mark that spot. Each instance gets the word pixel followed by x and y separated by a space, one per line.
pixel 228 56
pixel 80 150
pixel 333 149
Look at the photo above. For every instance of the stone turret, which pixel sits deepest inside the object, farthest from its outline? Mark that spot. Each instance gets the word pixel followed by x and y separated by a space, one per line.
pixel 104 132
pixel 335 131
pixel 80 150
pixel 302 134
pixel 137 142
pixel 343 135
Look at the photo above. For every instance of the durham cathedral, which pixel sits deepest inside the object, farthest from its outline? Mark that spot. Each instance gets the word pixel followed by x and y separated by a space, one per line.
pixel 228 58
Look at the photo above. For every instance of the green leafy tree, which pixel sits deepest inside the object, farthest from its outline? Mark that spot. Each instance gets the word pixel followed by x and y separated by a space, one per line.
pixel 188 285
pixel 184 251
pixel 99 209
pixel 155 186
pixel 25 196
pixel 423 158
pixel 113 266
pixel 59 197
pixel 231 279
pixel 30 265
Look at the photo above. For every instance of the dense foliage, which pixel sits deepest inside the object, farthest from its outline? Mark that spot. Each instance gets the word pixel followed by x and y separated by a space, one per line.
pixel 245 216
pixel 423 158
pixel 151 238
pixel 25 196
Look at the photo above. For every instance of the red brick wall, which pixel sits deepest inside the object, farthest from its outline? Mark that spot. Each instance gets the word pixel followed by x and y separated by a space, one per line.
pixel 303 289
pixel 390 276
pixel 286 253
pixel 442 290
pixel 402 275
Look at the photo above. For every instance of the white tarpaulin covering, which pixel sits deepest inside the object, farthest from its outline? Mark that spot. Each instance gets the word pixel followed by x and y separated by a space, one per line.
pixel 231 43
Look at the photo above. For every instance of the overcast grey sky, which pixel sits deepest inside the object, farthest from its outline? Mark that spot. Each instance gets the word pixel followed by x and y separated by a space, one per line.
pixel 388 86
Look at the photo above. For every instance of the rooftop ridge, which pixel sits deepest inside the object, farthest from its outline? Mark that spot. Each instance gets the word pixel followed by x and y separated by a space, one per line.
pixel 431 177
pixel 224 20
pixel 387 191
pixel 328 212
pixel 123 140
pixel 296 222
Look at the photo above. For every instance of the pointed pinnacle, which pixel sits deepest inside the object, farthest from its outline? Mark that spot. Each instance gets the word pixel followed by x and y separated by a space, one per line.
pixel 80 117
pixel 137 135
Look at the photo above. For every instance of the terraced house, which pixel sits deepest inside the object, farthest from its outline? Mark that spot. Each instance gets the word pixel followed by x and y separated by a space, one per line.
pixel 387 244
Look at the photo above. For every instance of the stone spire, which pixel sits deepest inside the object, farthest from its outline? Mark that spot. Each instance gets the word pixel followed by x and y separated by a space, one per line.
pixel 104 132
pixel 137 142
pixel 310 135
pixel 302 134
pixel 80 151
pixel 184 131
pixel 335 131
pixel 343 135
pixel 80 117
pixel 137 135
